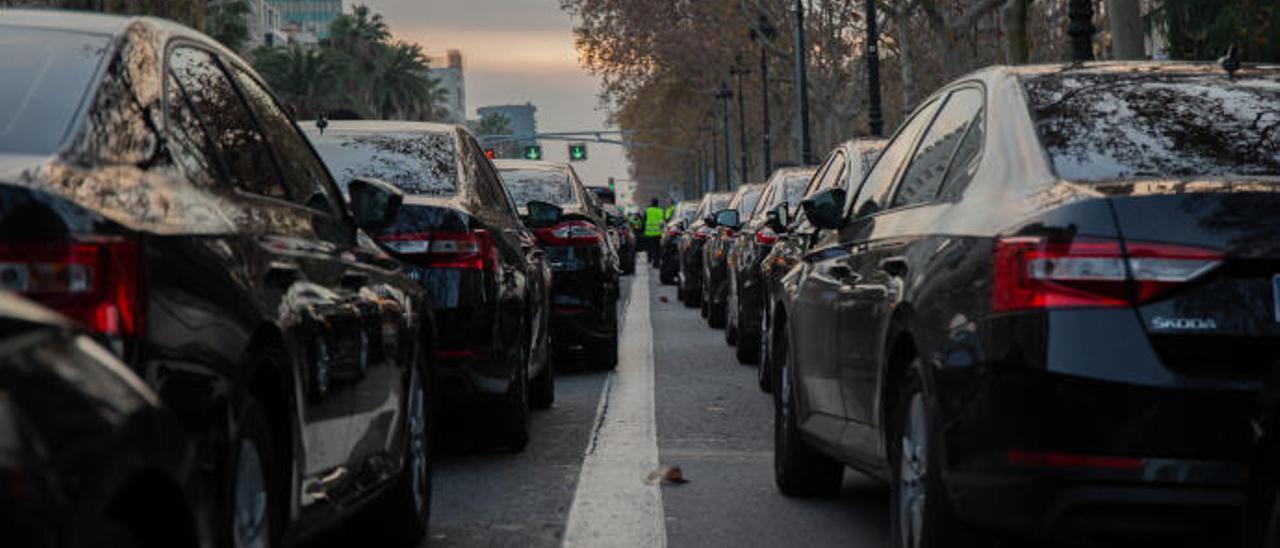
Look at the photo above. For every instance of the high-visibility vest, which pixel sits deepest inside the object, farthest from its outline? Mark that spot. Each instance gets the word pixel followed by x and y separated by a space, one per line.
pixel 653 221
pixel 666 215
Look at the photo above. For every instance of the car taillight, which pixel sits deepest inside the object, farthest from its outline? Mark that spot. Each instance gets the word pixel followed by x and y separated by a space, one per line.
pixel 571 233
pixel 674 232
pixel 96 282
pixel 1033 272
pixel 466 250
pixel 702 233
pixel 766 236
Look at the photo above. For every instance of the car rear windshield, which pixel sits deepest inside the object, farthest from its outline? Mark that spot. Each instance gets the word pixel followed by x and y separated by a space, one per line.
pixel 1113 125
pixel 552 187
pixel 793 187
pixel 44 75
pixel 747 204
pixel 416 163
pixel 685 212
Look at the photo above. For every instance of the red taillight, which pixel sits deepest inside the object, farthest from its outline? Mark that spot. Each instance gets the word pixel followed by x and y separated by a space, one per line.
pixel 674 231
pixel 96 282
pixel 702 233
pixel 571 233
pixel 467 250
pixel 766 236
pixel 1032 272
pixel 1047 459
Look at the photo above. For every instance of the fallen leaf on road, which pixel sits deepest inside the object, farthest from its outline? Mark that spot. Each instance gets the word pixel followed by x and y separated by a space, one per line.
pixel 667 474
pixel 663 299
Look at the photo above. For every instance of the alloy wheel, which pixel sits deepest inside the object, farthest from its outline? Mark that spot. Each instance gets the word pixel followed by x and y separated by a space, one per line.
pixel 913 469
pixel 418 456
pixel 250 527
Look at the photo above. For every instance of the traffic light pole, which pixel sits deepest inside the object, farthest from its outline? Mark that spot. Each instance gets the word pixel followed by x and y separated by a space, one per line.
pixel 742 125
pixel 724 95
pixel 802 86
pixel 875 113
pixel 765 32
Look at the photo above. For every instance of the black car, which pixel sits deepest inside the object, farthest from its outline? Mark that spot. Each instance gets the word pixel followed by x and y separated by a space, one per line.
pixel 624 238
pixel 689 288
pixel 152 189
pixel 585 269
pixel 604 195
pixel 1049 308
pixel 459 235
pixel 848 163
pixel 751 243
pixel 669 245
pixel 715 255
pixel 88 455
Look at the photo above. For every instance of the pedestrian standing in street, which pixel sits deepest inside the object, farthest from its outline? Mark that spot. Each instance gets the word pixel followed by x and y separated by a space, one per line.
pixel 653 219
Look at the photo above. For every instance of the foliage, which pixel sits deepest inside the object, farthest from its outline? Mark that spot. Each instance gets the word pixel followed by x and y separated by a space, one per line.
pixel 1206 30
pixel 226 21
pixel 494 123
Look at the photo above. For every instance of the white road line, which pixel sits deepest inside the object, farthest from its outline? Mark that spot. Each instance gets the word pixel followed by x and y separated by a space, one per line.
pixel 613 504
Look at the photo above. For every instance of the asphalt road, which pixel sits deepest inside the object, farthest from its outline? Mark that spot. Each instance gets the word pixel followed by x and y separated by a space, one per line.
pixel 710 419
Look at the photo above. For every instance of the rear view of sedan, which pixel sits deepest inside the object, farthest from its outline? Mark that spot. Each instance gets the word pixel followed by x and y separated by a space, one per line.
pixel 715 255
pixel 462 240
pixel 585 268
pixel 88 456
pixel 689 288
pixel 669 246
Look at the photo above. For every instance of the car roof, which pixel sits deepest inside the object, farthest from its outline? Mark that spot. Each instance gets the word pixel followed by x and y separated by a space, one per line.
pixel 75 21
pixel 532 165
pixel 376 126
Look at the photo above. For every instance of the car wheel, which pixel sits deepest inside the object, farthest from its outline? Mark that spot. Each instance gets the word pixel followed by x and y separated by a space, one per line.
pixel 542 389
pixel 731 319
pixel 604 352
pixel 513 417
pixel 252 500
pixel 716 315
pixel 764 371
pixel 798 469
pixel 920 513
pixel 405 511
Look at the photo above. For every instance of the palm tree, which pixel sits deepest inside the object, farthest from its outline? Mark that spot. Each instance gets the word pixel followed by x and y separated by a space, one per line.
pixel 312 80
pixel 401 86
pixel 494 124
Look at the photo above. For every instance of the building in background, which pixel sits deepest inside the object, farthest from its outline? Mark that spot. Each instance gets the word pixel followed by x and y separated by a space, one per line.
pixel 447 71
pixel 311 17
pixel 522 121
pixel 264 25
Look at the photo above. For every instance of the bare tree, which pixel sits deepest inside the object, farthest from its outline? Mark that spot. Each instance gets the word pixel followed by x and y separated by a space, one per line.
pixel 1126 29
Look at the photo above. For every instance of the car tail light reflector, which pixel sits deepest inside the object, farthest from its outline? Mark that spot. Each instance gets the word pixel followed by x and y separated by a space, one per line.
pixel 571 233
pixel 674 231
pixel 766 236
pixel 702 232
pixel 465 250
pixel 96 282
pixel 1048 459
pixel 1032 272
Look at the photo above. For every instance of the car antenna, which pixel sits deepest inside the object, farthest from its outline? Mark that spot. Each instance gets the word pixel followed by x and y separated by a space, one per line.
pixel 1230 62
pixel 322 123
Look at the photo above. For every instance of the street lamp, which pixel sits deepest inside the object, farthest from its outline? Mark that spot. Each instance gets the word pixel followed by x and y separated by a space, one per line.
pixel 1080 13
pixel 724 95
pixel 766 32
pixel 739 72
pixel 802 87
pixel 875 113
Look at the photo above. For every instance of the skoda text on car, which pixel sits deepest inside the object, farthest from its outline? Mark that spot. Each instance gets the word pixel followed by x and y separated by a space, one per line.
pixel 460 237
pixel 1048 309
pixel 585 268
pixel 153 189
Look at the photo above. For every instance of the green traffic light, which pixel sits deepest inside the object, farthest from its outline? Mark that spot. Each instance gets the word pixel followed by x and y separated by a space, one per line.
pixel 533 153
pixel 577 153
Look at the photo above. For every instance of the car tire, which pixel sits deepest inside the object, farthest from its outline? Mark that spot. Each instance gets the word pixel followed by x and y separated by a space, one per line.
pixel 253 489
pixel 513 415
pixel 404 513
pixel 799 470
pixel 731 331
pixel 542 389
pixel 764 369
pixel 716 315
pixel 603 353
pixel 920 512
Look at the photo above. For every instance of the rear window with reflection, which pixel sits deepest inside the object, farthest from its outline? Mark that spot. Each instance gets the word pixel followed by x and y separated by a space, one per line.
pixel 1130 123
pixel 416 163
pixel 552 187
pixel 44 76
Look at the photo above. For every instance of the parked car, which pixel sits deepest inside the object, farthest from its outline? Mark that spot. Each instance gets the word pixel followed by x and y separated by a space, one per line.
pixel 585 269
pixel 691 242
pixel 604 195
pixel 88 455
pixel 460 237
pixel 715 254
pixel 152 189
pixel 669 244
pixel 749 246
pixel 843 168
pixel 1047 311
pixel 625 244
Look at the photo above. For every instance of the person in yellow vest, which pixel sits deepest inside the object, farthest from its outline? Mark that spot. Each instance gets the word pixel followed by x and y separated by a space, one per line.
pixel 654 217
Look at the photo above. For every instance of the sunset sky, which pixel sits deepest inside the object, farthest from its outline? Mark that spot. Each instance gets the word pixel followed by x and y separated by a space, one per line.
pixel 514 51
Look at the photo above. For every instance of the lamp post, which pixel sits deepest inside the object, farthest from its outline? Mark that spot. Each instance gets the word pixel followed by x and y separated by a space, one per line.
pixel 875 113
pixel 1080 13
pixel 802 85
pixel 724 95
pixel 765 32
pixel 739 72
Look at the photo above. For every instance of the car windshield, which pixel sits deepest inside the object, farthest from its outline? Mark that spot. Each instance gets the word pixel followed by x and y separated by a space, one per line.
pixel 1112 125
pixel 552 187
pixel 684 212
pixel 716 203
pixel 44 75
pixel 747 203
pixel 792 187
pixel 416 163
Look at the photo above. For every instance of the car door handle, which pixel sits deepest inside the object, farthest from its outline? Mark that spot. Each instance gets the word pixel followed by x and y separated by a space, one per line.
pixel 283 273
pixel 354 279
pixel 894 266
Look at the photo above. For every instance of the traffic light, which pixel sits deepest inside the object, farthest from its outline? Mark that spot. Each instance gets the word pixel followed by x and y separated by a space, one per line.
pixel 490 153
pixel 533 152
pixel 577 152
pixel 613 184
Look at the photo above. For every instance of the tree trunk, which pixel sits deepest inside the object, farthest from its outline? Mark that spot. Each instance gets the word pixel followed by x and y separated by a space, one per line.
pixel 1126 29
pixel 1015 26
pixel 902 20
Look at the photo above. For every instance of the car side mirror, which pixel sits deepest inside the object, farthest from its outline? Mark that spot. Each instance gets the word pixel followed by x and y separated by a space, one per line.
pixel 778 218
pixel 374 203
pixel 542 214
pixel 825 209
pixel 709 220
pixel 727 218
